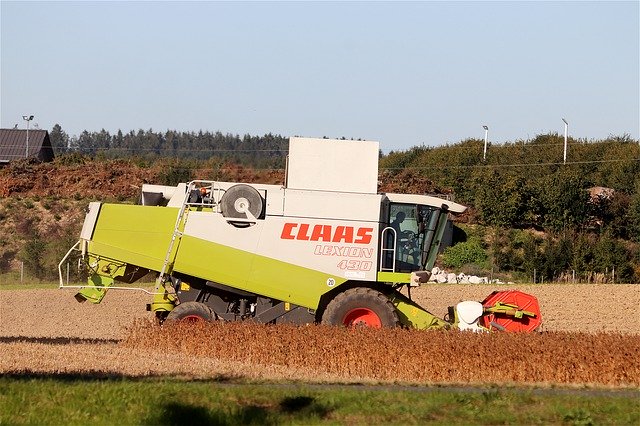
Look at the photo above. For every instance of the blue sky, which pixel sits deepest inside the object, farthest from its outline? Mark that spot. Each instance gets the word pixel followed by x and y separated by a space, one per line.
pixel 404 74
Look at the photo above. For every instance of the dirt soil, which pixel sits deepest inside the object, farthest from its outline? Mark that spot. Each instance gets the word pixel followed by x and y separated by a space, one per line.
pixel 123 179
pixel 589 327
pixel 112 179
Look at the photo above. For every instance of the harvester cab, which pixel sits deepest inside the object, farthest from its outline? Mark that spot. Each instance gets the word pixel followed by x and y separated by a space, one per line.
pixel 324 247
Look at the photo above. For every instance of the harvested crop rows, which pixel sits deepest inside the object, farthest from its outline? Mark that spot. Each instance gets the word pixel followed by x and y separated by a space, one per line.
pixel 592 337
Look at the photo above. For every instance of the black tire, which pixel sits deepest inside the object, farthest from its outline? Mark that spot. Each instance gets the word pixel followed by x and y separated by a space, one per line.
pixel 361 306
pixel 191 311
pixel 241 198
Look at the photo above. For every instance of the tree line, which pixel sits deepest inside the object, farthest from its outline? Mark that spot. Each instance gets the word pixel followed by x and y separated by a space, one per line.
pixel 257 151
pixel 527 185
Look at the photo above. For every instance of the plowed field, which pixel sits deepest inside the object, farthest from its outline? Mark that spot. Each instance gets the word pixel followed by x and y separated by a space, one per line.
pixel 591 336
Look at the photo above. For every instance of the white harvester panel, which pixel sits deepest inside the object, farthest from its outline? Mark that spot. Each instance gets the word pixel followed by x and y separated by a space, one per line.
pixel 332 205
pixel 333 165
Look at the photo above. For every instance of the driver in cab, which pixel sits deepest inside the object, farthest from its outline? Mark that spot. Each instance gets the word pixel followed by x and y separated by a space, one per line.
pixel 405 240
pixel 400 216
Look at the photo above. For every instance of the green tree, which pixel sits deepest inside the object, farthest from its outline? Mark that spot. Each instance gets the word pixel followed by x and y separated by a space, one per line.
pixel 501 199
pixel 582 256
pixel 557 256
pixel 31 254
pixel 507 249
pixel 531 254
pixel 59 139
pixel 610 254
pixel 612 214
pixel 563 200
pixel 634 214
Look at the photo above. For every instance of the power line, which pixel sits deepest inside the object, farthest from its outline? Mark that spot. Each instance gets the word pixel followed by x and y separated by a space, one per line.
pixel 431 166
pixel 485 166
pixel 507 145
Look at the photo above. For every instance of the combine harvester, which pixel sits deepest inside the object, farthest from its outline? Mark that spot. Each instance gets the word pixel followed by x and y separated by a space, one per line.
pixel 323 248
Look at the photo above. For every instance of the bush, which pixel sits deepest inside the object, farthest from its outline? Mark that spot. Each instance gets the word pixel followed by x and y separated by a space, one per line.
pixel 71 159
pixel 508 249
pixel 174 175
pixel 557 256
pixel 31 254
pixel 634 214
pixel 465 253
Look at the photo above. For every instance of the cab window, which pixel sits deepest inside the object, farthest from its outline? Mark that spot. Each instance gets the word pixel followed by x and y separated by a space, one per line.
pixel 409 222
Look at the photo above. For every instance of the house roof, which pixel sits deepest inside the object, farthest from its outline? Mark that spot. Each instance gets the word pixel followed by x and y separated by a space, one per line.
pixel 13 144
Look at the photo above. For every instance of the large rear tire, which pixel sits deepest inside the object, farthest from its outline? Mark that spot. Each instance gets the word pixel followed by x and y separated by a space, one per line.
pixel 191 312
pixel 361 306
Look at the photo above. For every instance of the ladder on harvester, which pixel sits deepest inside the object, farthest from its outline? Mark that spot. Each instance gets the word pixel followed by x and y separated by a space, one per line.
pixel 177 233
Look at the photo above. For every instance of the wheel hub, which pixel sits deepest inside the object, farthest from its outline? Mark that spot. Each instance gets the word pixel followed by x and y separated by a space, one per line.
pixel 192 319
pixel 362 317
pixel 241 205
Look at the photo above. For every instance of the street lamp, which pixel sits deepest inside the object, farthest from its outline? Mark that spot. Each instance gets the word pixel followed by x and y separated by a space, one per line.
pixel 486 137
pixel 27 118
pixel 566 133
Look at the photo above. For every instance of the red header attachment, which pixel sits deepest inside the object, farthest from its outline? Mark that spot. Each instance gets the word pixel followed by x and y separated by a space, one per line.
pixel 511 310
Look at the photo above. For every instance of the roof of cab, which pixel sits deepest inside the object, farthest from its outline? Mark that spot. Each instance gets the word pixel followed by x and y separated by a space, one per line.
pixel 426 200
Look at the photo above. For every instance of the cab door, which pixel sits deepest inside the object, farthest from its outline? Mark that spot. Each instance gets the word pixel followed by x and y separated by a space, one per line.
pixel 408 236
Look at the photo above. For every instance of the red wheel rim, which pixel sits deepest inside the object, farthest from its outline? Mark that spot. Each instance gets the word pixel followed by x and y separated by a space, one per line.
pixel 362 317
pixel 192 319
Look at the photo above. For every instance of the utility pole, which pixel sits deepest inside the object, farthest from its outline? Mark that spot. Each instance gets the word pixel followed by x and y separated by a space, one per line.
pixel 566 134
pixel 27 118
pixel 486 138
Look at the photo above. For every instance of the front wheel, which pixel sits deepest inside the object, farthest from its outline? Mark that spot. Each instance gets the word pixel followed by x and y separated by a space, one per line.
pixel 191 312
pixel 361 307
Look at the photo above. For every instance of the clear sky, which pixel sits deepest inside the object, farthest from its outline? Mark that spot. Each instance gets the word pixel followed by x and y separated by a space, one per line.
pixel 404 74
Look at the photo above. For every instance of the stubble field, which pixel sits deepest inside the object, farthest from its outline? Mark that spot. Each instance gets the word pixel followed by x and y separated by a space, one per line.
pixel 591 336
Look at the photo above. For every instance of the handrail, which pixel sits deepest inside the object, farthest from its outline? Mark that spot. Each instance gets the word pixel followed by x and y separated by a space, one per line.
pixel 113 288
pixel 384 250
pixel 63 285
pixel 63 260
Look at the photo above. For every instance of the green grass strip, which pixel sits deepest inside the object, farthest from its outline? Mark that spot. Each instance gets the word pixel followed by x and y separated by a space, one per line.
pixel 78 399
